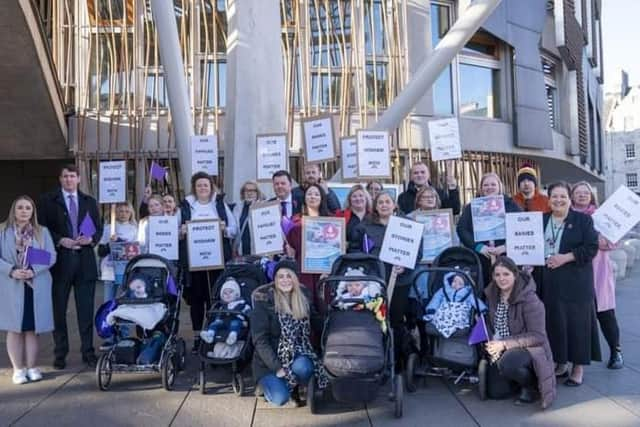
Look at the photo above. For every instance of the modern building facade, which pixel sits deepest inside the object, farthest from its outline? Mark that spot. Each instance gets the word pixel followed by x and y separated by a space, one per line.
pixel 526 88
pixel 622 132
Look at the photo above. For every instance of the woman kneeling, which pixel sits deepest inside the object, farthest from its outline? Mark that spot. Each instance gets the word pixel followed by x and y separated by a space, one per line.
pixel 519 352
pixel 280 328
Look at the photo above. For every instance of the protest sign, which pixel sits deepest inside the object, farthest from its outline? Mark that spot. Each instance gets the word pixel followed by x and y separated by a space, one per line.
pixel 318 138
pixel 402 240
pixel 323 241
pixel 349 156
pixel 525 238
pixel 266 229
pixel 204 245
pixel 488 216
pixel 163 236
pixel 438 232
pixel 444 138
pixel 618 214
pixel 113 182
pixel 204 154
pixel 273 155
pixel 373 154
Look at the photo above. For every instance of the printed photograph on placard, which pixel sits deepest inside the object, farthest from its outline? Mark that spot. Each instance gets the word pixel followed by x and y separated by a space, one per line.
pixel 323 240
pixel 341 191
pixel 488 216
pixel 438 232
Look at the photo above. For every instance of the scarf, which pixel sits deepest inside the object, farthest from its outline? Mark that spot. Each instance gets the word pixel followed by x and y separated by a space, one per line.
pixel 588 210
pixel 294 342
pixel 24 238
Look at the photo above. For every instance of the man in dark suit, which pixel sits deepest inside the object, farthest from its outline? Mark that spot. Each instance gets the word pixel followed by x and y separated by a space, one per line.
pixel 62 212
pixel 290 204
pixel 313 175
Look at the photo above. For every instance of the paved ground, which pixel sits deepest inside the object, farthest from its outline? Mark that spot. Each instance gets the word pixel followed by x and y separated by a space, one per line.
pixel 70 397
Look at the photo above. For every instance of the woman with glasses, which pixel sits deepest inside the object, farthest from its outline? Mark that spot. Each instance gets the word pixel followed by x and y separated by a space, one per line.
pixel 249 194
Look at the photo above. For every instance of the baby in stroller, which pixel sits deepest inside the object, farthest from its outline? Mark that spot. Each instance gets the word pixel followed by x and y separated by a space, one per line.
pixel 230 300
pixel 360 295
pixel 451 306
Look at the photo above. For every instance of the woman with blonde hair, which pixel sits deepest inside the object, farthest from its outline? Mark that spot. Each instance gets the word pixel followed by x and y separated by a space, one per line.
pixel 249 194
pixel 357 207
pixel 281 318
pixel 583 199
pixel 26 307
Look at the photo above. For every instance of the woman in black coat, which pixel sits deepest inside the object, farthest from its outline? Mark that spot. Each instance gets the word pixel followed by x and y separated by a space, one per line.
pixel 280 330
pixel 490 185
pixel 567 292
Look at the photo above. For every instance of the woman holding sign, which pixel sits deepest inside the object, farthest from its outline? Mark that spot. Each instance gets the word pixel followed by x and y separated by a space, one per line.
pixel 490 185
pixel 583 199
pixel 281 322
pixel 204 202
pixel 155 208
pixel 249 194
pixel 358 206
pixel 25 287
pixel 571 243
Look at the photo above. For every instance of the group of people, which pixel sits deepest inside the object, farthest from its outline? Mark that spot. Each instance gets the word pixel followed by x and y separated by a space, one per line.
pixel 542 320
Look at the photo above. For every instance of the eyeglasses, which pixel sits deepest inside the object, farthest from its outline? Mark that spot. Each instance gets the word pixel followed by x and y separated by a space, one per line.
pixel 250 190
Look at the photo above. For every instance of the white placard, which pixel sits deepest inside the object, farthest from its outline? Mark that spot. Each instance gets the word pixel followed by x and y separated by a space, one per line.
pixel 113 182
pixel 349 156
pixel 618 214
pixel 525 238
pixel 374 160
pixel 444 138
pixel 266 229
pixel 318 138
pixel 204 154
pixel 402 240
pixel 204 245
pixel 163 236
pixel 272 155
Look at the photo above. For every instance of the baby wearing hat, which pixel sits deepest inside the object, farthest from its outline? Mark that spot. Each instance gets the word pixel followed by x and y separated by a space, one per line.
pixel 230 300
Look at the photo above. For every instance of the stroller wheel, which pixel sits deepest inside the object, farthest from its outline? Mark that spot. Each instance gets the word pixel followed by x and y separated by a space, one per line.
pixel 312 398
pixel 398 392
pixel 483 367
pixel 203 378
pixel 104 371
pixel 410 373
pixel 237 382
pixel 181 354
pixel 169 370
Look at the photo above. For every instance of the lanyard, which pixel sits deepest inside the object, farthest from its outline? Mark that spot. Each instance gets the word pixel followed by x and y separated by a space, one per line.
pixel 555 232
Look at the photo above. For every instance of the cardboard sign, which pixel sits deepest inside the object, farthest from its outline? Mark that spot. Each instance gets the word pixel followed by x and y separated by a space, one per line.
pixel 437 234
pixel 323 241
pixel 318 138
pixel 444 138
pixel 273 155
pixel 266 229
pixel 163 236
pixel 113 182
pixel 402 240
pixel 525 238
pixel 373 154
pixel 488 216
pixel 618 214
pixel 204 245
pixel 204 154
pixel 349 156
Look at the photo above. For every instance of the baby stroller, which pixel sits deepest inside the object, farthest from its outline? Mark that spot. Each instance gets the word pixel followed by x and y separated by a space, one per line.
pixel 357 354
pixel 247 272
pixel 149 298
pixel 450 357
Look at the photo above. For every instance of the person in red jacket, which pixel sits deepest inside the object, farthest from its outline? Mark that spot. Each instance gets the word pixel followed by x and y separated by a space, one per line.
pixel 529 198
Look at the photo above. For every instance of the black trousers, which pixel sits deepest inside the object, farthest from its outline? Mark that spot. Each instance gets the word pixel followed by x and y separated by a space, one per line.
pixel 70 276
pixel 201 284
pixel 609 327
pixel 513 370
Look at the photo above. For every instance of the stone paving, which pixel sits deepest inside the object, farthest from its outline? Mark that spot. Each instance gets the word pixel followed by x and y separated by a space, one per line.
pixel 71 398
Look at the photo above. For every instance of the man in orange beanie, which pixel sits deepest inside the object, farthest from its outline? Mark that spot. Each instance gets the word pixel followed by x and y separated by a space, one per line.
pixel 529 198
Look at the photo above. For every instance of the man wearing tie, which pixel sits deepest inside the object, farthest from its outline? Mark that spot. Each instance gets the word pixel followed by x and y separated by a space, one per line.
pixel 289 204
pixel 62 212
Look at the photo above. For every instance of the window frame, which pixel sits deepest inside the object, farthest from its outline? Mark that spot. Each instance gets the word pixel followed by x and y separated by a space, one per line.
pixel 630 178
pixel 630 149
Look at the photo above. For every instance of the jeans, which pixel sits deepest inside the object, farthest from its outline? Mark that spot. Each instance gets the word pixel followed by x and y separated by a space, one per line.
pixel 276 390
pixel 513 370
pixel 235 325
pixel 110 289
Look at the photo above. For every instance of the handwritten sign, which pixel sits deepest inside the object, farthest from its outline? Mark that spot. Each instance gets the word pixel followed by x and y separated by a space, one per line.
pixel 349 156
pixel 401 243
pixel 204 154
pixel 272 155
pixel 318 137
pixel 266 230
pixel 618 214
pixel 113 182
pixel 488 216
pixel 163 236
pixel 444 137
pixel 525 238
pixel 373 154
pixel 204 245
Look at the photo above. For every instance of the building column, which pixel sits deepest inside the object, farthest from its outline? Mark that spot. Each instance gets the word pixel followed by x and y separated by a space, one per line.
pixel 255 86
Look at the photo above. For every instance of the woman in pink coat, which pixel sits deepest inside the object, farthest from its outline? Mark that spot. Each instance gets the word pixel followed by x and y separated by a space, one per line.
pixel 584 200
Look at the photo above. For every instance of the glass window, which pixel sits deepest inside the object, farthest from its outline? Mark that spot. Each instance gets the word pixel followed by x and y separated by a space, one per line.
pixel 479 91
pixel 213 27
pixel 632 180
pixel 215 75
pixel 630 151
pixel 549 70
pixel 377 84
pixel 108 85
pixel 156 92
pixel 374 28
pixel 442 88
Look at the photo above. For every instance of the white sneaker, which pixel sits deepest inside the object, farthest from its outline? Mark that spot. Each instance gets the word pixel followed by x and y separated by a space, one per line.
pixel 232 338
pixel 34 374
pixel 20 377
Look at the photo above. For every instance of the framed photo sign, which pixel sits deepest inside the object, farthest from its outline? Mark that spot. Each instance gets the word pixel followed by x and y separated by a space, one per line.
pixel 323 240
